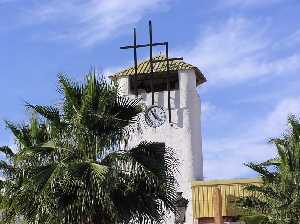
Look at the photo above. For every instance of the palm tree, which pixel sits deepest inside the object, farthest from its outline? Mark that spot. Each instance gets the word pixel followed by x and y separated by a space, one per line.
pixel 278 198
pixel 73 163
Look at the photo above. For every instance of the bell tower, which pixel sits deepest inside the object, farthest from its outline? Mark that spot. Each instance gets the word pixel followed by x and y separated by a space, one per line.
pixel 169 86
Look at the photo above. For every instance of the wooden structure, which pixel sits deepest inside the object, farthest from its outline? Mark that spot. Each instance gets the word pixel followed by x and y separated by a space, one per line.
pixel 217 206
pixel 225 191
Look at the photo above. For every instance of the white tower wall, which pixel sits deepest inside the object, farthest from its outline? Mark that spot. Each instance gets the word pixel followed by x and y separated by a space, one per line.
pixel 184 135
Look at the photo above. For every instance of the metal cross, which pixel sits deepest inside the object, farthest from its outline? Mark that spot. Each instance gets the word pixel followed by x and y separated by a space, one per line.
pixel 135 46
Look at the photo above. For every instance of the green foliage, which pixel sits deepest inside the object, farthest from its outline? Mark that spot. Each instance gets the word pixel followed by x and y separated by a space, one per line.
pixel 278 198
pixel 255 219
pixel 73 164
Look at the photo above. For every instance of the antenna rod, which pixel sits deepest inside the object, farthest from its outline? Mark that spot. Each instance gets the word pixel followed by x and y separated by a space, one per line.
pixel 135 63
pixel 168 82
pixel 144 45
pixel 151 64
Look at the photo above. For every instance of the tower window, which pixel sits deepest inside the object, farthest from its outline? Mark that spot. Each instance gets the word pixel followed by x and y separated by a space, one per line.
pixel 143 82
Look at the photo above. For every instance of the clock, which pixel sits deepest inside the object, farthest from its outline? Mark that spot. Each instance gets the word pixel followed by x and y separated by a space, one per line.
pixel 155 116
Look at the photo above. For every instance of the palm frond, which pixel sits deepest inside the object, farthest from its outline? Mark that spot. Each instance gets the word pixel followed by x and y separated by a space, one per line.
pixel 277 198
pixel 70 166
pixel 72 93
pixel 7 169
pixel 50 113
pixel 262 170
pixel 7 151
pixel 21 133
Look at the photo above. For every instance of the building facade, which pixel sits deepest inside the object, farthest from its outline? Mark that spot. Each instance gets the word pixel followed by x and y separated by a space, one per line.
pixel 183 133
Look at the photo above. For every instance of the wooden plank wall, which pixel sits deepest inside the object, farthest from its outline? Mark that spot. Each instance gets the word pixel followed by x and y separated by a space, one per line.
pixel 202 196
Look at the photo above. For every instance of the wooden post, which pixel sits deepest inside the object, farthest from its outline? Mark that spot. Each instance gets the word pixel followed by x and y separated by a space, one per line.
pixel 217 206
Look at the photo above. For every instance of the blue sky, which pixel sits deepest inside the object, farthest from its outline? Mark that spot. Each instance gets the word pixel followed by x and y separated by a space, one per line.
pixel 249 51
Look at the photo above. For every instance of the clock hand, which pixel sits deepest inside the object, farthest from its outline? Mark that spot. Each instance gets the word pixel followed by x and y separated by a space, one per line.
pixel 155 116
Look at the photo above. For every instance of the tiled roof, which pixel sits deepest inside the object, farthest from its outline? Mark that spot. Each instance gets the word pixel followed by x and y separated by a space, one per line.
pixel 144 68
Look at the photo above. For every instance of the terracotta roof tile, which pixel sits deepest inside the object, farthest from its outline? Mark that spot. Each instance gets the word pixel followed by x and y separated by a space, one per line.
pixel 144 68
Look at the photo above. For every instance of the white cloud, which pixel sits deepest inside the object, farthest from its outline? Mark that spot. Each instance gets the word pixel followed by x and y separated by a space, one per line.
pixel 112 70
pixel 249 3
pixel 238 50
pixel 210 113
pixel 90 21
pixel 231 52
pixel 208 109
pixel 294 38
pixel 265 97
pixel 224 157
pixel 276 121
pixel 290 41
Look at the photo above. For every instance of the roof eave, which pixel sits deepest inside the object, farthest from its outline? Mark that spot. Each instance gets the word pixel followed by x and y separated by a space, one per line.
pixel 200 78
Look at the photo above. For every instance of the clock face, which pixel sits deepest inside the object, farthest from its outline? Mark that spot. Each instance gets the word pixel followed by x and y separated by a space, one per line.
pixel 155 116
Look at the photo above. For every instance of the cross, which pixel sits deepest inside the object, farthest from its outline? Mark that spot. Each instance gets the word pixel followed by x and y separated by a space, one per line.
pixel 135 46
